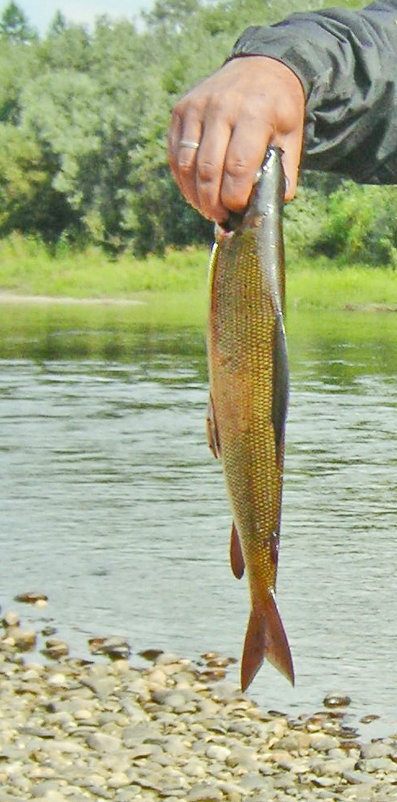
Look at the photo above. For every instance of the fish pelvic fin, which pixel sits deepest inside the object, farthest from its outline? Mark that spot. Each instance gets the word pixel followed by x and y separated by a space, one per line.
pixel 266 637
pixel 236 554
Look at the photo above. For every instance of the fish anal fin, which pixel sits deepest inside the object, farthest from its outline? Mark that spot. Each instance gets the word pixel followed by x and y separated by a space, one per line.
pixel 212 432
pixel 236 554
pixel 265 637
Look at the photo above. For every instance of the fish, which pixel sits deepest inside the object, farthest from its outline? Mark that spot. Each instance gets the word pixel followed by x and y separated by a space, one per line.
pixel 248 400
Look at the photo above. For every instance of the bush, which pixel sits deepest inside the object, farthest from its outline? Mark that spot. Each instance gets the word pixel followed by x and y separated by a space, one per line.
pixel 361 225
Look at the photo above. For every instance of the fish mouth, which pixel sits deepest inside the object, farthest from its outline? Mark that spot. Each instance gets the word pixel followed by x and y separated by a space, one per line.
pixel 223 231
pixel 232 222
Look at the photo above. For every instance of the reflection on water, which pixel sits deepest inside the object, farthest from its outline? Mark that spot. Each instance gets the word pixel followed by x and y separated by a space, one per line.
pixel 112 504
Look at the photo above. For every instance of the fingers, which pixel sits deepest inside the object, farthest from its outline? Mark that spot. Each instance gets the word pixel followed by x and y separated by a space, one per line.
pixel 185 132
pixel 217 177
pixel 243 158
pixel 233 116
pixel 210 169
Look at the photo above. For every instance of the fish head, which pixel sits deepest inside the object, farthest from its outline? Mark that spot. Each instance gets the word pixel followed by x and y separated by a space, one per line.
pixel 269 184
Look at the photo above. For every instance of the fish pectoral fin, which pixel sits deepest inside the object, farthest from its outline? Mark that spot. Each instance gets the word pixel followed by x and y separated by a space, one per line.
pixel 212 431
pixel 236 554
pixel 266 638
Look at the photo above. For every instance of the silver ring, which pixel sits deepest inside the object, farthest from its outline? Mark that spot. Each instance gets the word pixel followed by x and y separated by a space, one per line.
pixel 188 143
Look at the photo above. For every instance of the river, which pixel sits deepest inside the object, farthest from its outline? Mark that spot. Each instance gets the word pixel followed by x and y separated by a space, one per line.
pixel 113 505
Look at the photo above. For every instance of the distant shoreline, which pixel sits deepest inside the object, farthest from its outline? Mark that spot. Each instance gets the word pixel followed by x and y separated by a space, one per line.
pixel 14 298
pixel 177 281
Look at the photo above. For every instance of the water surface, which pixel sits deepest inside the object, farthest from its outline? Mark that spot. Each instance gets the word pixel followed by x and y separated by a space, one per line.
pixel 113 505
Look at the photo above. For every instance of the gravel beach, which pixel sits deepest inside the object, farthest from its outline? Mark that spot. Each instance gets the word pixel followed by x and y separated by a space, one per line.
pixel 73 730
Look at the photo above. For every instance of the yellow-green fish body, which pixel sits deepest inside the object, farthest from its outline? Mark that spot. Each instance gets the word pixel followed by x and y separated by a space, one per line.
pixel 248 402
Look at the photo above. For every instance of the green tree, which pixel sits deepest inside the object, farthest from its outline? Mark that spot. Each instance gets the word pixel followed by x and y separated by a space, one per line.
pixel 14 25
pixel 58 24
pixel 83 123
pixel 28 202
pixel 172 16
pixel 67 46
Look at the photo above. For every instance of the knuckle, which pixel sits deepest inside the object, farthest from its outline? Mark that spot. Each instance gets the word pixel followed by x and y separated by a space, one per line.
pixel 219 104
pixel 189 106
pixel 184 166
pixel 237 168
pixel 207 171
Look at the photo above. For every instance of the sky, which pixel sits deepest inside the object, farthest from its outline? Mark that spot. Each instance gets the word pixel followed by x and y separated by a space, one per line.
pixel 41 12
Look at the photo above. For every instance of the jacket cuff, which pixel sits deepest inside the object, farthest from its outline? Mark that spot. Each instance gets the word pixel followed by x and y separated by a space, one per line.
pixel 292 50
pixel 258 41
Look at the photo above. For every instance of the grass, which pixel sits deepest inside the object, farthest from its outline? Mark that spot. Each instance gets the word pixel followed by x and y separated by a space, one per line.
pixel 26 267
pixel 325 285
pixel 178 282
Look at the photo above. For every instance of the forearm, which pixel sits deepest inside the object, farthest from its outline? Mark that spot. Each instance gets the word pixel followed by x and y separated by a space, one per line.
pixel 347 64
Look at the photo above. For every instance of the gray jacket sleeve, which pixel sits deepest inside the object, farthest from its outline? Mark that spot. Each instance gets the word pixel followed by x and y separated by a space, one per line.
pixel 347 63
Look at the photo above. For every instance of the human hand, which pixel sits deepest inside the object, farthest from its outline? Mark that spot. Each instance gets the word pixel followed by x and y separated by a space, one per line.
pixel 248 104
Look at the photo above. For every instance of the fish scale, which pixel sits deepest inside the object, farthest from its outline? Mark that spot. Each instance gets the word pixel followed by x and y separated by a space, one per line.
pixel 248 400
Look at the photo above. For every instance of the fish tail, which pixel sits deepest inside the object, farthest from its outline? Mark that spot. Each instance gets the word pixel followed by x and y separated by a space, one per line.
pixel 266 637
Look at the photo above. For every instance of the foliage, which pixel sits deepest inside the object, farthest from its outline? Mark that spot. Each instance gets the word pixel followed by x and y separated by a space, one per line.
pixel 83 125
pixel 14 25
pixel 361 225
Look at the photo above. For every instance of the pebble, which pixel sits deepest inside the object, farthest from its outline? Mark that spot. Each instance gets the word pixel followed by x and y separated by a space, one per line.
pixel 204 792
pixel 56 648
pixel 336 700
pixel 375 749
pixel 114 647
pixel 76 730
pixel 31 597
pixel 101 742
pixel 11 619
pixel 22 639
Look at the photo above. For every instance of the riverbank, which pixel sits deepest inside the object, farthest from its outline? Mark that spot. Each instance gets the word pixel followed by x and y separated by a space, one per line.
pixel 28 270
pixel 73 729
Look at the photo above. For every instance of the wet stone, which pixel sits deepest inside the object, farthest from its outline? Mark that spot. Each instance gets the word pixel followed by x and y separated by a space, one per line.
pixel 48 631
pixel 11 619
pixel 31 597
pixel 114 647
pixel 56 648
pixel 336 700
pixel 369 718
pixel 23 639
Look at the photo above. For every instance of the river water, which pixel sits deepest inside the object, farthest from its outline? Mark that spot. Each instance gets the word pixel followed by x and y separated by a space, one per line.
pixel 112 504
